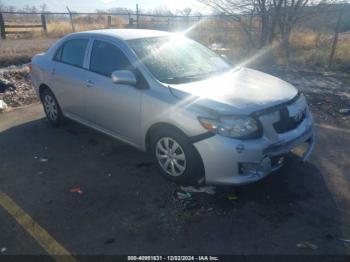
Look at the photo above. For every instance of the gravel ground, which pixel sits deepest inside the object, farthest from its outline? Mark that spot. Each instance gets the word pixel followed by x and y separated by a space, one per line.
pixel 326 92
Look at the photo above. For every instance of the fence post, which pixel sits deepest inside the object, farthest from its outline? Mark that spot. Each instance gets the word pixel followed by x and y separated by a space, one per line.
pixel 43 23
pixel 335 40
pixel 2 27
pixel 137 15
pixel 71 19
pixel 109 21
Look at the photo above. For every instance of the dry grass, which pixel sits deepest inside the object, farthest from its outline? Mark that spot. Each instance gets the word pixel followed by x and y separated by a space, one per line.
pixel 18 51
pixel 309 49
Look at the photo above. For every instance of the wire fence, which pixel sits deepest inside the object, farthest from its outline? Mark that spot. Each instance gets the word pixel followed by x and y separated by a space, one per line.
pixel 320 36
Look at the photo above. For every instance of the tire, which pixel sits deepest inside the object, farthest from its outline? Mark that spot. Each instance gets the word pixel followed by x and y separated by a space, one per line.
pixel 52 108
pixel 173 149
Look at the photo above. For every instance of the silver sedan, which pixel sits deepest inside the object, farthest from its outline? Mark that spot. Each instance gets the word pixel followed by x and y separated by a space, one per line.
pixel 200 117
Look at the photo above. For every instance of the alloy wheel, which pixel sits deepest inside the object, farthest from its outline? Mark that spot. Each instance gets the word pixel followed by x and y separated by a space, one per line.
pixel 170 156
pixel 51 107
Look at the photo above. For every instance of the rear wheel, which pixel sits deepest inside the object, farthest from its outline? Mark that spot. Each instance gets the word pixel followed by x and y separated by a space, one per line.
pixel 176 157
pixel 51 107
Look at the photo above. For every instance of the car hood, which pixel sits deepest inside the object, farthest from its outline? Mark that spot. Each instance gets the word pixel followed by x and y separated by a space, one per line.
pixel 240 91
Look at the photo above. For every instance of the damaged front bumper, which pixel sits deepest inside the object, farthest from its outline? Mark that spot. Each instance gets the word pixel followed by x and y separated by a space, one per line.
pixel 224 164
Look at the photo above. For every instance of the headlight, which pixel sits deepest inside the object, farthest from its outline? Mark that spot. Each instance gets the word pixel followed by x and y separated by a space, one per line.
pixel 232 126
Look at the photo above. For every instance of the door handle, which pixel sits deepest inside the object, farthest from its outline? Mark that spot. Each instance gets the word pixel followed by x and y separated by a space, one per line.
pixel 89 83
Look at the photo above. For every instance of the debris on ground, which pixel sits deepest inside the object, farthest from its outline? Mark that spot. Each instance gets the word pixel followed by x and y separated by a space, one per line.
pixel 344 110
pixel 3 249
pixel 308 245
pixel 5 84
pixel 232 198
pixel 182 195
pixel 204 189
pixel 76 190
pixel 3 106
pixel 187 200
pixel 15 86
pixel 344 240
pixel 327 93
pixel 44 159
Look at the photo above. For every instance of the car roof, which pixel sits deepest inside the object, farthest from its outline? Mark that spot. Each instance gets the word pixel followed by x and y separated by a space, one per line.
pixel 126 34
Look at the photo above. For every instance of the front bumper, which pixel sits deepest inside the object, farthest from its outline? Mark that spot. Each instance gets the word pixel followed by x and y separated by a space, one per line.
pixel 224 157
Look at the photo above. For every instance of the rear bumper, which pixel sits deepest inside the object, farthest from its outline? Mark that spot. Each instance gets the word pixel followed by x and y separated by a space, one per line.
pixel 230 161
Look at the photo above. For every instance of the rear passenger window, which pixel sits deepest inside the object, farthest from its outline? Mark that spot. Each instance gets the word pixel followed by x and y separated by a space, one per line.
pixel 72 52
pixel 106 58
pixel 58 54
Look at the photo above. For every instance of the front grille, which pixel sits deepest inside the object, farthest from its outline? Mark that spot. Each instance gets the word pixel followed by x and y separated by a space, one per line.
pixel 286 122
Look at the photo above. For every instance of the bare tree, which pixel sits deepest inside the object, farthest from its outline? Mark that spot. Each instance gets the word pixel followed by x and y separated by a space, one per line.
pixel 187 11
pixel 276 18
pixel 43 8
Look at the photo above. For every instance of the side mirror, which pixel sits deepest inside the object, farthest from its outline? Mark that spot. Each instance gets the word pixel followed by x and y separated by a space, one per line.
pixel 125 77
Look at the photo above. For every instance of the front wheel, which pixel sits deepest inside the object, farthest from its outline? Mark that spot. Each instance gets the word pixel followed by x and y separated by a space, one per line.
pixel 177 158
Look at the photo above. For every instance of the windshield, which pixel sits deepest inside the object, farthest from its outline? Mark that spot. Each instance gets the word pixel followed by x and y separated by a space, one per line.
pixel 177 59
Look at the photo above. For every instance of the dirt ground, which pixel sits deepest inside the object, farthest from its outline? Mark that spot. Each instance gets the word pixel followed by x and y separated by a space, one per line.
pixel 126 207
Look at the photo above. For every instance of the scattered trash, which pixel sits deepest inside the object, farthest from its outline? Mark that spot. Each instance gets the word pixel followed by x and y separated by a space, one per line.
pixel 44 159
pixel 76 190
pixel 109 241
pixel 205 189
pixel 231 198
pixel 186 199
pixel 344 111
pixel 306 244
pixel 5 84
pixel 15 87
pixel 3 106
pixel 182 195
pixel 3 249
pixel 344 240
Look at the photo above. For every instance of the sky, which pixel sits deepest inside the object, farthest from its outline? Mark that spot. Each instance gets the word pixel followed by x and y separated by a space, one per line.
pixel 92 5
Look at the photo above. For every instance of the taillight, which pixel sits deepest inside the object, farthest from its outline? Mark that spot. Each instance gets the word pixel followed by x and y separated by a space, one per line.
pixel 30 67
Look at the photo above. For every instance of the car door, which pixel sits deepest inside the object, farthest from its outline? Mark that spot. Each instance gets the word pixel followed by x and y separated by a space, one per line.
pixel 68 76
pixel 112 107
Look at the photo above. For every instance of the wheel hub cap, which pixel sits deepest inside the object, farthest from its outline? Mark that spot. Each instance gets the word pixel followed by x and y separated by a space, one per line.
pixel 170 156
pixel 50 107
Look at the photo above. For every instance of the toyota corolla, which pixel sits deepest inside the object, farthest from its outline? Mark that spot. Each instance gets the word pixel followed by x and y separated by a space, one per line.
pixel 196 113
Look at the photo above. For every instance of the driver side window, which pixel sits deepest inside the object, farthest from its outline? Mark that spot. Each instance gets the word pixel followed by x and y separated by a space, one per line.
pixel 106 58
